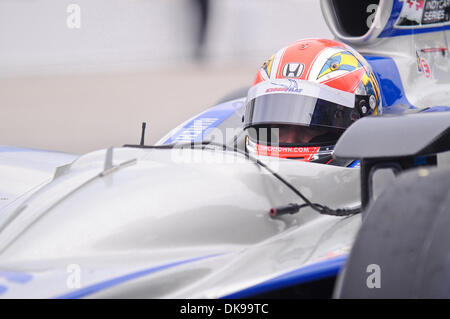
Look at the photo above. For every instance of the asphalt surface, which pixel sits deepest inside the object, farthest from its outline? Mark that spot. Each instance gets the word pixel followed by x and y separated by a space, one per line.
pixel 79 113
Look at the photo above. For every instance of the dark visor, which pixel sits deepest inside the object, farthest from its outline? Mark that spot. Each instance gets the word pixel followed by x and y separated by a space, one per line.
pixel 297 110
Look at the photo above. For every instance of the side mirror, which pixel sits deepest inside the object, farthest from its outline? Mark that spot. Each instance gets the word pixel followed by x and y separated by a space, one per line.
pixel 396 143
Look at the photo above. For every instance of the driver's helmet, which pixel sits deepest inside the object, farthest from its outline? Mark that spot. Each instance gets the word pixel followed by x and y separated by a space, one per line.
pixel 305 96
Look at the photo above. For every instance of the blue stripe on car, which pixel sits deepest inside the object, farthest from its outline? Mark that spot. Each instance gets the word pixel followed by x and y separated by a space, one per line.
pixel 3 289
pixel 196 129
pixel 83 292
pixel 16 277
pixel 355 164
pixel 321 270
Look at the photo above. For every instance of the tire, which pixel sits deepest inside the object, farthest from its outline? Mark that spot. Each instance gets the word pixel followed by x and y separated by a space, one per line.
pixel 406 232
pixel 236 94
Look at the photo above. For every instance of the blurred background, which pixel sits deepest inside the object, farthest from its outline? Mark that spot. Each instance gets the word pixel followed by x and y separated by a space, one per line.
pixel 80 75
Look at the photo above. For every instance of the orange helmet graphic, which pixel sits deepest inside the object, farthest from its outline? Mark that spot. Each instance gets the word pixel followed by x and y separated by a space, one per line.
pixel 305 96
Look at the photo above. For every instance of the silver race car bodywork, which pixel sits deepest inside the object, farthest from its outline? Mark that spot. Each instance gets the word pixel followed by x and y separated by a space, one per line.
pixel 155 228
pixel 162 222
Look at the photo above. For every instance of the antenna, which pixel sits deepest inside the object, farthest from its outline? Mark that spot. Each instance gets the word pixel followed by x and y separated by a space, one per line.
pixel 108 159
pixel 143 133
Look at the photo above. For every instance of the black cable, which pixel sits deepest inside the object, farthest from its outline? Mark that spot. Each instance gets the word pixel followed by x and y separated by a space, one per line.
pixel 277 211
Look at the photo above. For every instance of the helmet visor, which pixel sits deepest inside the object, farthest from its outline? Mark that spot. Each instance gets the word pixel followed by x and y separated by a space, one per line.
pixel 296 109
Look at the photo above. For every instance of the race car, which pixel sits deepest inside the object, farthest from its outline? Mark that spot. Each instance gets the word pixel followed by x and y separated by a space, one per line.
pixel 193 218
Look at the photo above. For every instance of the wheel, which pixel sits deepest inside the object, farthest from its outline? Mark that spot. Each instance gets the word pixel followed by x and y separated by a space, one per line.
pixel 403 247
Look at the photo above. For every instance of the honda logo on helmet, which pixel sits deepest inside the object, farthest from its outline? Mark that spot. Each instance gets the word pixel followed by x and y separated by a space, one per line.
pixel 293 70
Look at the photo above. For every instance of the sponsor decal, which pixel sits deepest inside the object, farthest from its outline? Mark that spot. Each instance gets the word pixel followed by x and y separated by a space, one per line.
pixel 417 13
pixel 196 129
pixel 303 153
pixel 422 64
pixel 411 13
pixel 292 70
pixel 425 67
pixel 436 11
pixel 292 87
